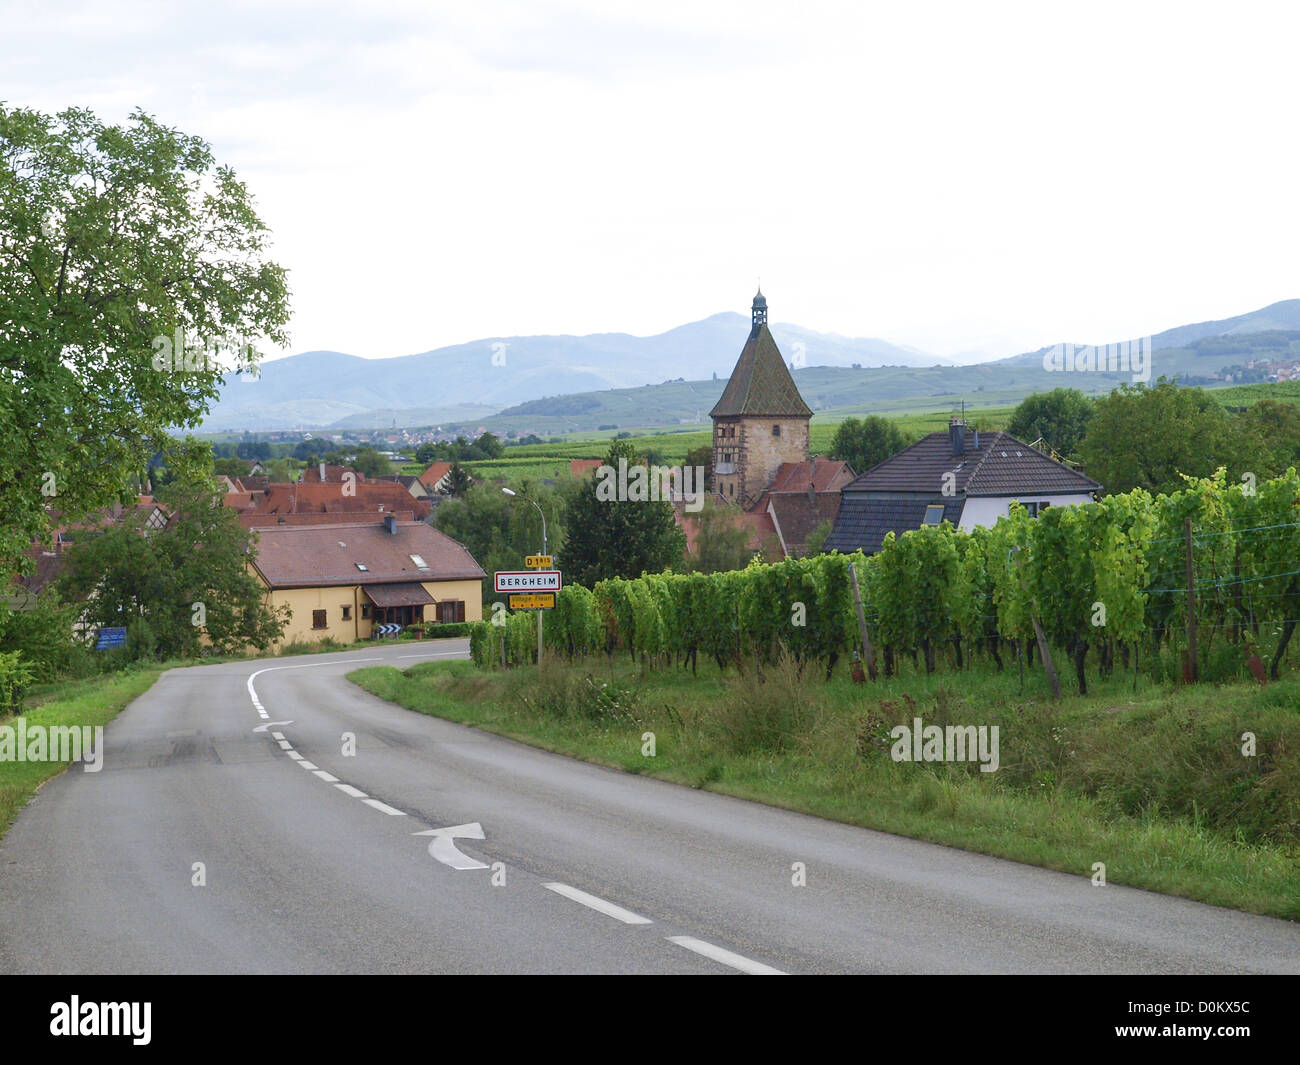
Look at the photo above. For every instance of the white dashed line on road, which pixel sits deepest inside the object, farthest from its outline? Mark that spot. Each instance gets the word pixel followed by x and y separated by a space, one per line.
pixel 598 904
pixel 725 957
pixel 383 808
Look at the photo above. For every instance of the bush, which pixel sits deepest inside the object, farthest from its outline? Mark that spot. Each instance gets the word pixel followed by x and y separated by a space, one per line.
pixel 446 630
pixel 766 711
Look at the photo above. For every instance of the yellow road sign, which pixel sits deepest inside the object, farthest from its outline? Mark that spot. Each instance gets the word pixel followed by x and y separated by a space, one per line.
pixel 536 601
pixel 539 562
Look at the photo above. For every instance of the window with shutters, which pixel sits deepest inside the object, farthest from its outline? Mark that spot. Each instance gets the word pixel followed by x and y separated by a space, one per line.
pixel 451 610
pixel 318 619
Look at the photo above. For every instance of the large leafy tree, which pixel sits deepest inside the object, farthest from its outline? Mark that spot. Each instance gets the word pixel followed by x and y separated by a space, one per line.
pixel 618 537
pixel 114 241
pixel 1060 417
pixel 866 442
pixel 179 583
pixel 1146 437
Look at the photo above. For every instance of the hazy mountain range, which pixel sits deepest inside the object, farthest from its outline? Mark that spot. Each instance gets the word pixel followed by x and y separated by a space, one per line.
pixel 569 382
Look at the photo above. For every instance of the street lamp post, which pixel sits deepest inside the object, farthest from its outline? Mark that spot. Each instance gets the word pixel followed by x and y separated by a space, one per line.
pixel 512 492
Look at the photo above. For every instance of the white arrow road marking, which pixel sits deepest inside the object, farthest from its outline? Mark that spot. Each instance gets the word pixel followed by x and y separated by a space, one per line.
pixel 598 904
pixel 726 957
pixel 443 846
pixel 267 724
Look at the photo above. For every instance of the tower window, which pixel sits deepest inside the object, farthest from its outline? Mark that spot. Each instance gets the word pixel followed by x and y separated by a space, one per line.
pixel 776 430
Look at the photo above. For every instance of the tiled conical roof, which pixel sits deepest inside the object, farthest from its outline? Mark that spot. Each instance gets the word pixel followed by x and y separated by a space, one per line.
pixel 760 385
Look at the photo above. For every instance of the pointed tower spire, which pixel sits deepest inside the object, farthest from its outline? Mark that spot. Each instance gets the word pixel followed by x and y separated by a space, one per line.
pixel 759 311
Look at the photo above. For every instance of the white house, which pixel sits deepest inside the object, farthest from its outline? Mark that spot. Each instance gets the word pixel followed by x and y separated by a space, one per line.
pixel 961 476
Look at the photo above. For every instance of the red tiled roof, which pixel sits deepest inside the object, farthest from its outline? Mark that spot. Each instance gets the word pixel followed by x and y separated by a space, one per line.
pixel 797 516
pixel 299 556
pixel 253 520
pixel 435 473
pixel 369 497
pixel 333 474
pixel 582 467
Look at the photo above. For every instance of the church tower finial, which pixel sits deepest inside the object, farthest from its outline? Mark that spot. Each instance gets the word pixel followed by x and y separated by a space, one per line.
pixel 760 310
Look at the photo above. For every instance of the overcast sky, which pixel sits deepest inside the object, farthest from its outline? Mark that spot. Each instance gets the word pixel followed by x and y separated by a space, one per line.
pixel 962 176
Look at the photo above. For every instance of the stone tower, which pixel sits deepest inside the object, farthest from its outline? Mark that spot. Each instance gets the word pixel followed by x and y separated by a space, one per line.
pixel 760 421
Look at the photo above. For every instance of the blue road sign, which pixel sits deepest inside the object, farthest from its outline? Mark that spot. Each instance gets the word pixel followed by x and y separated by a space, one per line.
pixel 110 638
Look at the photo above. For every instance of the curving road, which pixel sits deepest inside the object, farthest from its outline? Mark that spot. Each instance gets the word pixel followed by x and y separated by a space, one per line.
pixel 314 861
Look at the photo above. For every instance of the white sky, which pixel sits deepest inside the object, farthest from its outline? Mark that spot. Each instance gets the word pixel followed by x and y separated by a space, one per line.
pixel 961 176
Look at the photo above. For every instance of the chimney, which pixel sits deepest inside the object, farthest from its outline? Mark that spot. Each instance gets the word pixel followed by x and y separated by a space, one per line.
pixel 977 439
pixel 390 523
pixel 957 436
pixel 322 473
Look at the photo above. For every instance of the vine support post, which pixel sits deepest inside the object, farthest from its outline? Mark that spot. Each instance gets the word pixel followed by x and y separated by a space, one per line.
pixel 868 655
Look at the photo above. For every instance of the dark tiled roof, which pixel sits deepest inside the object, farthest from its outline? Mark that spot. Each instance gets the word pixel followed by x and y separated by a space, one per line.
pixel 1000 466
pixel 298 556
pixel 760 385
pixel 863 522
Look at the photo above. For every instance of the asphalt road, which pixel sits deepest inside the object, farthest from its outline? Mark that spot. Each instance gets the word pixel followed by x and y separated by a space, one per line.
pixel 319 868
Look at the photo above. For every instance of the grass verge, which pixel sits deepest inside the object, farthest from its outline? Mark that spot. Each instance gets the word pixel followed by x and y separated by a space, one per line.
pixel 1149 780
pixel 93 701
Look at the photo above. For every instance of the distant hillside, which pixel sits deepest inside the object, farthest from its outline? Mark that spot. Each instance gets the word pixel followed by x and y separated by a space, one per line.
pixel 327 389
pixel 837 392
pixel 566 383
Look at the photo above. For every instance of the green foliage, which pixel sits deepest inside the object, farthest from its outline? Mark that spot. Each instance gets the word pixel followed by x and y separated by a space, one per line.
pixel 366 460
pixel 609 537
pixel 487 446
pixel 867 442
pixel 458 481
pixel 15 675
pixel 113 241
pixel 158 584
pixel 1060 417
pixel 1149 437
pixel 1102 579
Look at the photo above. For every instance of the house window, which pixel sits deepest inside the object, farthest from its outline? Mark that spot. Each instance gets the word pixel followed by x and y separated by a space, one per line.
pixel 318 619
pixel 776 430
pixel 451 610
pixel 1036 509
pixel 362 567
pixel 419 561
pixel 933 514
pixel 365 610
pixel 347 612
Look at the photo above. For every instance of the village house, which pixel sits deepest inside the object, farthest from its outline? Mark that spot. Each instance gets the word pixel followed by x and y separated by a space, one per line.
pixel 963 477
pixel 342 579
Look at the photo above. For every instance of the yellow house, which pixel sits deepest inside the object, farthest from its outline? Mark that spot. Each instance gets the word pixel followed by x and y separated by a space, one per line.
pixel 341 580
